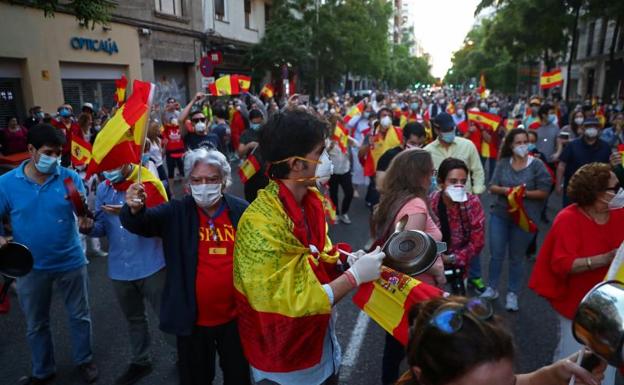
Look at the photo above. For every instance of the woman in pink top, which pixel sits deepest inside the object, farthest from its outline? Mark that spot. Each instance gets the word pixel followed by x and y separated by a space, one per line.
pixel 404 192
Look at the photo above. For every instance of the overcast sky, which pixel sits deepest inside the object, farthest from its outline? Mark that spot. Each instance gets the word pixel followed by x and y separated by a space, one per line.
pixel 441 26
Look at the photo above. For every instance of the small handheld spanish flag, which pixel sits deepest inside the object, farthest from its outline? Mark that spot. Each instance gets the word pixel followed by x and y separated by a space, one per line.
pixel 330 209
pixel 120 90
pixel 341 137
pixel 249 167
pixel 80 151
pixel 225 85
pixel 244 82
pixel 515 198
pixel 267 91
pixel 551 79
pixel 356 110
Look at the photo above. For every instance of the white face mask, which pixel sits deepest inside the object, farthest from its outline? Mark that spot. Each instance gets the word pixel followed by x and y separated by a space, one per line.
pixel 618 200
pixel 457 193
pixel 591 132
pixel 174 121
pixel 521 150
pixel 324 170
pixel 386 121
pixel 206 195
pixel 200 127
pixel 578 121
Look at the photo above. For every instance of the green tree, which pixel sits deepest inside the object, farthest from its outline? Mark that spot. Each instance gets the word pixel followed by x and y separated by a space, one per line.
pixel 88 12
pixel 404 71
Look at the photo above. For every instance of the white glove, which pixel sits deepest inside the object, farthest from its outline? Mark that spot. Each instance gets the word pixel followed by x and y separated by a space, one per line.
pixel 368 267
pixel 353 257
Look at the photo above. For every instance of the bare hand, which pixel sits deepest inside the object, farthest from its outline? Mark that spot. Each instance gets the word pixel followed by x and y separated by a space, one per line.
pixel 563 370
pixel 113 210
pixel 3 241
pixel 135 197
pixel 615 159
pixel 199 96
pixel 85 224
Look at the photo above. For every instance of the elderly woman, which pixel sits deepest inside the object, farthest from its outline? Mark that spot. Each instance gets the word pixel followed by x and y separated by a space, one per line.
pixel 198 234
pixel 578 250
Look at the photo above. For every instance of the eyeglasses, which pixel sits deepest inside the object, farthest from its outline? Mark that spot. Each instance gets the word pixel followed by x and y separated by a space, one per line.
pixel 203 120
pixel 451 320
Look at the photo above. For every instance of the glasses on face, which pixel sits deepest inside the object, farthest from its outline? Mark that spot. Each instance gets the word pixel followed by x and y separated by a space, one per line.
pixel 196 120
pixel 451 320
pixel 613 189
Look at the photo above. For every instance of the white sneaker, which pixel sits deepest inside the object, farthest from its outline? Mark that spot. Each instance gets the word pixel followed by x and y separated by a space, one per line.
pixel 345 219
pixel 489 293
pixel 512 302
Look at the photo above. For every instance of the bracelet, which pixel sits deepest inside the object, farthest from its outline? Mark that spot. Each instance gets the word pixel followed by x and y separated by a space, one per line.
pixel 350 278
pixel 588 263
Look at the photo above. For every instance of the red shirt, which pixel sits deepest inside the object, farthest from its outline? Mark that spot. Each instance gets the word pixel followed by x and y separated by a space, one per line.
pixel 573 236
pixel 67 131
pixel 214 284
pixel 174 145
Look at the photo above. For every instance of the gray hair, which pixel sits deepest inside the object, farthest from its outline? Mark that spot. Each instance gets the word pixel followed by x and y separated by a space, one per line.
pixel 210 157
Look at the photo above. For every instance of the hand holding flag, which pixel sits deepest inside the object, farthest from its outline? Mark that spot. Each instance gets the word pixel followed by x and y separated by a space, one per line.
pixel 515 198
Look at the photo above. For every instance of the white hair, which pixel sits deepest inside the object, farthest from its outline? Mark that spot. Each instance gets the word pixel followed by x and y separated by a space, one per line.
pixel 210 157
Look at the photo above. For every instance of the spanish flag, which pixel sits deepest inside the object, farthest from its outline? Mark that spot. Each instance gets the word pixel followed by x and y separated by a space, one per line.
pixel 120 90
pixel 381 144
pixel 388 300
pixel 249 168
pixel 122 137
pixel 600 115
pixel 225 85
pixel 356 110
pixel 330 209
pixel 244 82
pixel 450 109
pixel 482 88
pixel 616 269
pixel 80 151
pixel 267 91
pixel 551 79
pixel 491 121
pixel 154 189
pixel 510 124
pixel 341 136
pixel 620 149
pixel 515 198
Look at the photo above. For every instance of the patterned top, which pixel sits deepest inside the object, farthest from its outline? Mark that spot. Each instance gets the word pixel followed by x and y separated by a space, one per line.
pixel 467 225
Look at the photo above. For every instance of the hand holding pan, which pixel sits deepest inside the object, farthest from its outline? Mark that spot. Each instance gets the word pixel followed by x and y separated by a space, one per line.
pixel 76 199
pixel 15 261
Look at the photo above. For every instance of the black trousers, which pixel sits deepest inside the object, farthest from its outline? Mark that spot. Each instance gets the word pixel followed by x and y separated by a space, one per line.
pixel 345 182
pixel 196 356
pixel 393 354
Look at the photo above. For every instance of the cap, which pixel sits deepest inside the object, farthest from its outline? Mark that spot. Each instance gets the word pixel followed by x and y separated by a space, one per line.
pixel 88 105
pixel 535 101
pixel 444 121
pixel 591 121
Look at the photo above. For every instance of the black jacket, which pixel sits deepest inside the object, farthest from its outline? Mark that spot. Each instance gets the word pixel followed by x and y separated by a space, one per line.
pixel 177 223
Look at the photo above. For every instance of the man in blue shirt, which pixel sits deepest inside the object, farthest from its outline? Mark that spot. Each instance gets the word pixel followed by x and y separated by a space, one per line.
pixel 135 264
pixel 33 196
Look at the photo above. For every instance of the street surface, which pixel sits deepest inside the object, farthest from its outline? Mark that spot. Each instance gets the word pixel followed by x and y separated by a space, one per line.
pixel 361 339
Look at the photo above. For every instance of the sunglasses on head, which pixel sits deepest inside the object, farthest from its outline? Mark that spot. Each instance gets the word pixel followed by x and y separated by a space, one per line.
pixel 450 320
pixel 198 120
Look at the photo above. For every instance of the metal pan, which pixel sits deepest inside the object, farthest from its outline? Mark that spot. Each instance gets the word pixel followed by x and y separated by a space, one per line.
pixel 15 261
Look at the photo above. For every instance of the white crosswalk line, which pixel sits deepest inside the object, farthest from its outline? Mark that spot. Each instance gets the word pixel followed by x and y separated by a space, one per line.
pixel 355 343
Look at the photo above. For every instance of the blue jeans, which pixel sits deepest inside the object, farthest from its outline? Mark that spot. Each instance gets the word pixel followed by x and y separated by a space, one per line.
pixel 34 291
pixel 505 237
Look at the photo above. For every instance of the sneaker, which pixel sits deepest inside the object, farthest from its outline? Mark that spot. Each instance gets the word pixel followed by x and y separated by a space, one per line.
pixel 512 302
pixel 477 284
pixel 89 372
pixel 36 381
pixel 133 374
pixel 489 293
pixel 345 219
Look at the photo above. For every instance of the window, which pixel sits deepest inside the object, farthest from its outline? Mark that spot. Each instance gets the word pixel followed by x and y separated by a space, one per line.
pixel 170 7
pixel 603 36
pixel 248 14
pixel 98 92
pixel 590 39
pixel 267 14
pixel 219 7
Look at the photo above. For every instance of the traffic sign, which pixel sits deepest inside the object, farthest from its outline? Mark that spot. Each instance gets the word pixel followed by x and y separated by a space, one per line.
pixel 206 67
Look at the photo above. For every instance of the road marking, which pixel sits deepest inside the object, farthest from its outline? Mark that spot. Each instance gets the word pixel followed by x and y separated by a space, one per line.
pixel 355 343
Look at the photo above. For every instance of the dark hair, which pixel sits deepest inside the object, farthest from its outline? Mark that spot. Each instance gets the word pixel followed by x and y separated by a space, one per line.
pixel 383 109
pixel 544 109
pixel 45 135
pixel 534 133
pixel 588 182
pixel 291 133
pixel 413 128
pixel 220 111
pixel 506 150
pixel 253 114
pixel 442 357
pixel 448 165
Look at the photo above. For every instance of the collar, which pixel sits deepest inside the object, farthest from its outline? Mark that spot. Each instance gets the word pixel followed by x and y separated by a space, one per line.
pixel 20 171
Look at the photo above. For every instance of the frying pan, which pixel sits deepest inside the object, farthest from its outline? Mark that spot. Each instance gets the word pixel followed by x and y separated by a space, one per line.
pixel 15 261
pixel 411 251
pixel 76 199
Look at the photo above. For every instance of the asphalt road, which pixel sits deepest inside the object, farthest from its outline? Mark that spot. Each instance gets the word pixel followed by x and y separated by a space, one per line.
pixel 361 339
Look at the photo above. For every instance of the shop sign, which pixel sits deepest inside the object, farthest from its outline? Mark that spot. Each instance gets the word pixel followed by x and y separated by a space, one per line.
pixel 94 45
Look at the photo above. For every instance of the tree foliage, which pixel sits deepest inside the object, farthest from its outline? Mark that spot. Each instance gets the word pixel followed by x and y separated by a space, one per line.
pixel 88 12
pixel 404 71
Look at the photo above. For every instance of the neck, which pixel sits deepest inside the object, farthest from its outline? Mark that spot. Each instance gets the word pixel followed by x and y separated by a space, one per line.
pixel 31 171
pixel 446 199
pixel 598 210
pixel 518 159
pixel 444 144
pixel 298 189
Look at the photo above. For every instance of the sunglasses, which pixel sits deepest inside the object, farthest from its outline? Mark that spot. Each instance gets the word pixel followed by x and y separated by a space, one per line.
pixel 613 189
pixel 451 320
pixel 203 120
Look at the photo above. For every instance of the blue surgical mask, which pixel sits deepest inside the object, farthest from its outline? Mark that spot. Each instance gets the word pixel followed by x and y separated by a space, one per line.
pixel 552 118
pixel 434 184
pixel 65 113
pixel 366 115
pixel 114 176
pixel 448 137
pixel 47 164
pixel 493 110
pixel 255 126
pixel 145 158
pixel 40 115
pixel 532 147
pixel 414 106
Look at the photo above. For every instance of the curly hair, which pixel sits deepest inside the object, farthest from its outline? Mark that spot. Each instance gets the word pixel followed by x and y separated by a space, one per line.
pixel 588 182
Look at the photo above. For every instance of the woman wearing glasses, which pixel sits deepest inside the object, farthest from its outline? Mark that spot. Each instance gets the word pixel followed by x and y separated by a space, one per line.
pixel 579 248
pixel 459 341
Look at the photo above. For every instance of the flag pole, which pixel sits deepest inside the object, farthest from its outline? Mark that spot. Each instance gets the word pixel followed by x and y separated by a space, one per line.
pixel 145 128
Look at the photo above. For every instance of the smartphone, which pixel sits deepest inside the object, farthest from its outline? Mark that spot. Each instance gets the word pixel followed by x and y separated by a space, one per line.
pixel 564 135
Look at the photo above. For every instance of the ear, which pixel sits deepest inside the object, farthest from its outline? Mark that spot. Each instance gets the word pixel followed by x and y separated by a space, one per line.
pixel 31 149
pixel 296 165
pixel 417 372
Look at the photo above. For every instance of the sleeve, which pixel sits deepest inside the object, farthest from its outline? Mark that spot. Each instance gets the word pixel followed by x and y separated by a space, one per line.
pixel 498 172
pixel 99 223
pixel 565 246
pixel 384 161
pixel 476 216
pixel 80 186
pixel 147 222
pixel 476 171
pixel 566 154
pixel 543 180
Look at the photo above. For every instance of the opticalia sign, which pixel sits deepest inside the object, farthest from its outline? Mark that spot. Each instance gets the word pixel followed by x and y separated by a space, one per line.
pixel 95 45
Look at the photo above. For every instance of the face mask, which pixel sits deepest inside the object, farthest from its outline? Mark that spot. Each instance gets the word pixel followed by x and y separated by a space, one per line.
pixel 174 122
pixel 460 112
pixel 534 110
pixel 386 121
pixel 532 147
pixel 448 137
pixel 591 132
pixel 200 127
pixel 434 184
pixel 521 150
pixel 618 200
pixel 97 128
pixel 47 164
pixel 254 126
pixel 324 170
pixel 441 101
pixel 494 110
pixel 483 107
pixel 410 146
pixel 145 158
pixel 366 115
pixel 206 195
pixel 414 106
pixel 578 121
pixel 552 118
pixel 40 115
pixel 64 113
pixel 457 193
pixel 114 176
